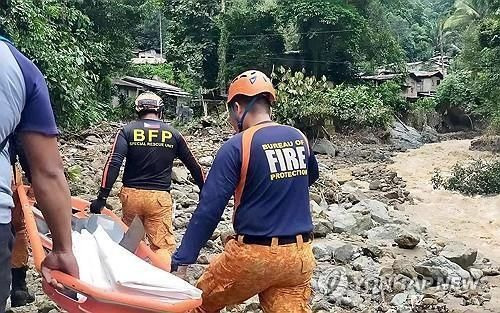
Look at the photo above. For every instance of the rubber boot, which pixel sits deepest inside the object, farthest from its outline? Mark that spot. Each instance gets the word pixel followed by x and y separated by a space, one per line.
pixel 19 294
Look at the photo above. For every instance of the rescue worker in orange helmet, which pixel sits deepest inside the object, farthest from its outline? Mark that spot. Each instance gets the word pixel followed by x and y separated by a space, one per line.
pixel 269 168
pixel 150 147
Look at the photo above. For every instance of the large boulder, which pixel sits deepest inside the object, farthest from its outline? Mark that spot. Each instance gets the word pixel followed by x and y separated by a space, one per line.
pixel 407 240
pixel 345 253
pixel 324 249
pixel 404 267
pixel 405 137
pixel 442 270
pixel 377 209
pixel 429 135
pixel 460 254
pixel 350 222
pixel 387 232
pixel 324 146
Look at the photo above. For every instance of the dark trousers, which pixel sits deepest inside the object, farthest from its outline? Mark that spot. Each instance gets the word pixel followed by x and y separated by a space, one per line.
pixel 5 254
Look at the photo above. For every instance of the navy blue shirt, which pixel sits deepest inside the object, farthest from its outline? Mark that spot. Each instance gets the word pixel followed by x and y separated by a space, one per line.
pixel 25 107
pixel 275 197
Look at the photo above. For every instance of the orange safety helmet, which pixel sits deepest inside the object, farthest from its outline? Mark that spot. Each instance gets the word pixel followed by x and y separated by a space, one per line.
pixel 251 83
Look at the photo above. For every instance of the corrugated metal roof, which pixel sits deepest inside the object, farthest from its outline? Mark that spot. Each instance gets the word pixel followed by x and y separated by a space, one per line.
pixel 381 77
pixel 121 82
pixel 426 73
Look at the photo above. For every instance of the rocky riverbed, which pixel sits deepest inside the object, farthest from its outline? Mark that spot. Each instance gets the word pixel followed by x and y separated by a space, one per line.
pixel 373 255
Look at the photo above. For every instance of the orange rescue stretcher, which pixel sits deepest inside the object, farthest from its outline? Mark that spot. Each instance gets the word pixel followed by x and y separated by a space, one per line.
pixel 96 300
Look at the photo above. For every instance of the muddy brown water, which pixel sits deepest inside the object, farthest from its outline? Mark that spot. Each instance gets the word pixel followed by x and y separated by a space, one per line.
pixel 451 215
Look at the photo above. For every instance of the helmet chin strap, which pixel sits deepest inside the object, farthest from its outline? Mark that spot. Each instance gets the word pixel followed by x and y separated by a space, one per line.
pixel 248 108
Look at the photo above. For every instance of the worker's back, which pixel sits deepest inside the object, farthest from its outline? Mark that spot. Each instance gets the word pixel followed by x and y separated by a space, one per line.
pixel 275 198
pixel 150 147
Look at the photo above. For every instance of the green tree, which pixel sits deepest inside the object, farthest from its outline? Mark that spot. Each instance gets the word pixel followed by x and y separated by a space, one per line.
pixel 254 40
pixel 77 46
pixel 330 35
pixel 191 44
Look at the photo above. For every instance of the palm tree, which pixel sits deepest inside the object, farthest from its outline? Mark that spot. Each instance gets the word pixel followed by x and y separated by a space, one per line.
pixel 467 12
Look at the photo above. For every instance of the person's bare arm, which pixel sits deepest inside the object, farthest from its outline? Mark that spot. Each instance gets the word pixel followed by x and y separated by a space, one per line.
pixel 52 193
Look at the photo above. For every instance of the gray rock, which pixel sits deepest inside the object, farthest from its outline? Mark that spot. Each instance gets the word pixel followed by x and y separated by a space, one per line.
pixel 372 251
pixel 324 146
pixel 177 194
pixel 180 222
pixel 399 299
pixel 407 240
pixel 357 196
pixel 392 194
pixel 366 265
pixel 315 197
pixel 344 254
pixel 404 267
pixel 442 270
pixel 353 223
pixel 203 259
pixel 491 271
pixel 179 174
pixel 405 137
pixel 377 209
pixel 460 254
pixel 322 227
pixel 225 235
pixel 316 209
pixel 350 187
pixel 194 272
pixel 476 274
pixel 429 135
pixel 387 232
pixel 206 160
pixel 323 250
pixel 375 185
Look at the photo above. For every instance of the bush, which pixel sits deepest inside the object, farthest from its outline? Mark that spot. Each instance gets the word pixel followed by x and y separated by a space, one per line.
pixel 309 103
pixel 457 91
pixel 165 72
pixel 390 93
pixel 478 178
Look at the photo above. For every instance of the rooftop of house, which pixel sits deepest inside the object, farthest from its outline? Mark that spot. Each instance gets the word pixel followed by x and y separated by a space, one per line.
pixel 381 77
pixel 426 74
pixel 153 85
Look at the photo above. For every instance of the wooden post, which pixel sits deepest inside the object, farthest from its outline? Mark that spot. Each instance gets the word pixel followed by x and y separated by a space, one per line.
pixel 205 107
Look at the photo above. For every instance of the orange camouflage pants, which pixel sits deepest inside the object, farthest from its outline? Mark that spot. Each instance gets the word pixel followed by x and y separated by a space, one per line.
pixel 20 246
pixel 154 208
pixel 280 275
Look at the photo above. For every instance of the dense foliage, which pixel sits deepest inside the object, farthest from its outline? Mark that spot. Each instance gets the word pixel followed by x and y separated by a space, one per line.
pixel 478 178
pixel 474 85
pixel 77 46
pixel 81 45
pixel 304 101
